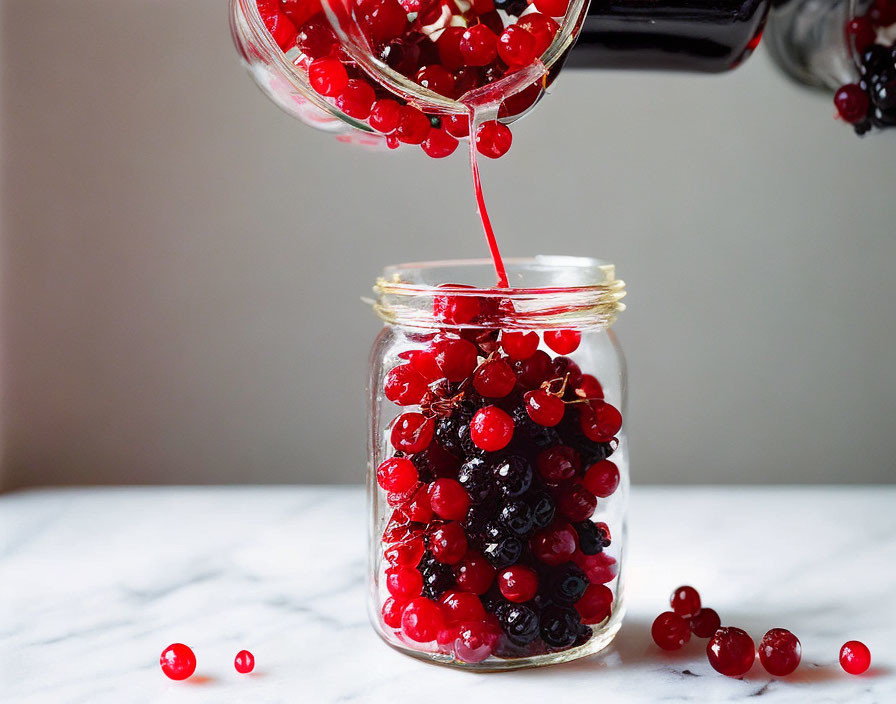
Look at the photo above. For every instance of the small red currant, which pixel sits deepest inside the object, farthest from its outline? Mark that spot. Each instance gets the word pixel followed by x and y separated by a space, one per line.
pixel 602 478
pixel 474 573
pixel 478 46
pixel 555 544
pixel 518 584
pixel 178 661
pixel 855 657
pixel 449 499
pixel 448 543
pixel 396 474
pixel 404 386
pixel 493 139
pixel 327 76
pixel 244 662
pixel 391 611
pixel 494 379
pixel 685 601
pixel 670 631
pixel 461 606
pixel 599 420
pixel 404 582
pixel 595 604
pixel 422 619
pixel 543 407
pixel 519 345
pixel 705 622
pixel 412 432
pixel 456 358
pixel 731 651
pixel 516 46
pixel 780 652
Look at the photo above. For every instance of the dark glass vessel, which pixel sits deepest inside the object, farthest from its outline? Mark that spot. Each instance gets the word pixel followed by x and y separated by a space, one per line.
pixel 709 36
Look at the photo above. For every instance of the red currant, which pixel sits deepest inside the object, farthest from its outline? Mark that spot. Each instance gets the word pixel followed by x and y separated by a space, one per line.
pixel 780 652
pixel 558 464
pixel 589 387
pixel 602 479
pixel 670 631
pixel 397 474
pixel 685 601
pixel 552 8
pixel 282 29
pixel 862 33
pixel 455 358
pixel 852 103
pixel 448 45
pixel 705 622
pixel 382 19
pixel 518 584
pixel 413 125
pixel 494 379
pixel 461 606
pixel 519 345
pixel 327 76
pixel 422 619
pixel 178 661
pixel 448 543
pixel 882 13
pixel 404 386
pixel 404 582
pixel 855 657
pixel 412 432
pixel 491 429
pixel 418 508
pixel 534 370
pixel 543 407
pixel 575 502
pixel 516 46
pixel 384 115
pixel 316 38
pixel 423 363
pixel 595 604
pixel 475 641
pixel 356 99
pixel 474 573
pixel 449 499
pixel 599 421
pixel 555 544
pixel 478 46
pixel 563 341
pixel 244 662
pixel 492 138
pixel 406 553
pixel 543 28
pixel 731 651
pixel 436 78
pixel 439 144
pixel 456 125
pixel 391 611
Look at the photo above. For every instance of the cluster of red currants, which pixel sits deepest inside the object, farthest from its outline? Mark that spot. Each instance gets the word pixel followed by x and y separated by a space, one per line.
pixel 178 661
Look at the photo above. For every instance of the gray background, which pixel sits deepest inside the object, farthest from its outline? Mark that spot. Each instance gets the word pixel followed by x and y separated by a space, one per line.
pixel 182 264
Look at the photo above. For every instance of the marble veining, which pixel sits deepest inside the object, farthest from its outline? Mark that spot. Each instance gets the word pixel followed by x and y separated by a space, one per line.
pixel 95 582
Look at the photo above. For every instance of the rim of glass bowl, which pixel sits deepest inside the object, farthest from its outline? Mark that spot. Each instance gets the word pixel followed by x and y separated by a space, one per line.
pixel 589 297
pixel 412 92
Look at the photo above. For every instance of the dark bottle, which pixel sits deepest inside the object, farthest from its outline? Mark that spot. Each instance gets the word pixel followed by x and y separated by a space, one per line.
pixel 681 35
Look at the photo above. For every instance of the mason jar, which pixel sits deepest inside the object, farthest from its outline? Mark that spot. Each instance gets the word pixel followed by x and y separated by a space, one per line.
pixel 498 462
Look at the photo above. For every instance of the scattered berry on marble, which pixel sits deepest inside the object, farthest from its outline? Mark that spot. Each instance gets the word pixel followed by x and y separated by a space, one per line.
pixel 780 652
pixel 670 631
pixel 178 661
pixel 855 657
pixel 685 601
pixel 244 662
pixel 705 622
pixel 731 651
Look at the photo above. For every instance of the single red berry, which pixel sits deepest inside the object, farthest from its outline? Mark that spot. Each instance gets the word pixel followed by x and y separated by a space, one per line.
pixel 600 568
pixel 461 606
pixel 855 657
pixel 575 502
pixel 491 429
pixel 494 379
pixel 518 584
pixel 731 651
pixel 516 46
pixel 565 368
pixel 599 421
pixel 424 364
pixel 516 104
pixel 316 38
pixel 382 19
pixel 391 611
pixel 436 78
pixel 404 386
pixel 595 604
pixel 449 499
pixel 534 370
pixel 552 8
pixel 244 662
pixel 392 141
pixel 327 76
pixel 670 631
pixel 418 509
pixel 456 358
pixel 406 553
pixel 299 11
pixel 384 115
pixel 780 652
pixel 519 345
pixel 413 125
pixel 602 479
pixel 282 30
pixel 404 582
pixel 685 601
pixel 456 309
pixel 474 573
pixel 861 32
pixel 478 46
pixel 705 622
pixel 178 661
pixel 543 28
pixel 356 99
pixel 474 641
pixel 412 432
pixel 558 464
pixel 397 474
pixel 544 408
pixel 448 543
pixel 852 103
pixel 555 544
pixel 456 125
pixel 422 619
pixel 563 341
pixel 448 45
pixel 439 144
pixel 589 387
pixel 493 139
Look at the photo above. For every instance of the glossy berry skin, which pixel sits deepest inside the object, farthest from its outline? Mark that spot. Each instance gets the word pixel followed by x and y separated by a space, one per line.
pixel 436 78
pixel 448 499
pixel 705 622
pixel 474 573
pixel 404 386
pixel 543 28
pixel 855 657
pixel 544 408
pixel 448 543
pixel 602 479
pixel 422 619
pixel 455 308
pixel 177 661
pixel 519 622
pixel 493 139
pixel 534 370
pixel 780 652
pixel 327 76
pixel 382 20
pixel 456 125
pixel 494 379
pixel 406 553
pixel 281 28
pixel 391 612
pixel 412 432
pixel 670 631
pixel 315 38
pixel 731 651
pixel 519 345
pixel 396 474
pixel 563 341
pixel 460 606
pixel 555 544
pixel 404 582
pixel 852 103
pixel 861 32
pixel 517 516
pixel 478 46
pixel 438 144
pixel 595 604
pixel 575 502
pixel 455 358
pixel 593 537
pixel 513 476
pixel 552 8
pixel 589 387
pixel 413 126
pixel 491 429
pixel 558 464
pixel 559 626
pixel 384 115
pixel 685 601
pixel 599 421
pixel 356 99
pixel 516 47
pixel 518 584
pixel 448 45
pixel 244 662
pixel 474 641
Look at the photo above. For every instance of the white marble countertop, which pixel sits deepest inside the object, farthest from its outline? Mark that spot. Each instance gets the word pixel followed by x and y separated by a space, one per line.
pixel 95 582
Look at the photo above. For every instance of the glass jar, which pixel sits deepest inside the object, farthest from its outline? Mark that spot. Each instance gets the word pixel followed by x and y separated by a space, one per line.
pixel 498 462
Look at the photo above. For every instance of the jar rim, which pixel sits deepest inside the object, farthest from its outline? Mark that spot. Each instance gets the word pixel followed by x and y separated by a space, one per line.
pixel 551 292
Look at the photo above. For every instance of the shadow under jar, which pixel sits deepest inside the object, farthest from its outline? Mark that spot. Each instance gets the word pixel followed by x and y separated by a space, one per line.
pixel 498 462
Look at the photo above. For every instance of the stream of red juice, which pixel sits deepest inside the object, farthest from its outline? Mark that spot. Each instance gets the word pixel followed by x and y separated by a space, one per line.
pixel 490 238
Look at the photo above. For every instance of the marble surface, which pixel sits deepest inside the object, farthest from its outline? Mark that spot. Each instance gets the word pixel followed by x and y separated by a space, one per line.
pixel 95 582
